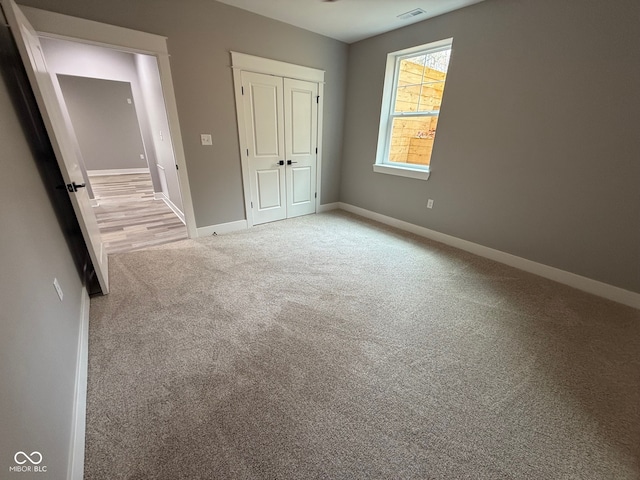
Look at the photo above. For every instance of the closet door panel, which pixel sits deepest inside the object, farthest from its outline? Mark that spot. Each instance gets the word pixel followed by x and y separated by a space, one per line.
pixel 301 130
pixel 264 130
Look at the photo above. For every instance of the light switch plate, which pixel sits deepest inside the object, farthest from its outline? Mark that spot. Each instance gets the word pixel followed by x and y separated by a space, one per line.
pixel 206 139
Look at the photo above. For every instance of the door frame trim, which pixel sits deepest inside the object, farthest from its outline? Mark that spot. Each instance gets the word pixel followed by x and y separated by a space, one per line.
pixel 248 63
pixel 56 25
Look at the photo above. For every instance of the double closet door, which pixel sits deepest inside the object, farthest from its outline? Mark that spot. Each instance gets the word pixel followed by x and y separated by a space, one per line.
pixel 281 128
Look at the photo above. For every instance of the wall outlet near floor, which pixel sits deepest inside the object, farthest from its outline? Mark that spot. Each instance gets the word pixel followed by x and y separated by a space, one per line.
pixel 206 139
pixel 58 288
pixel 430 203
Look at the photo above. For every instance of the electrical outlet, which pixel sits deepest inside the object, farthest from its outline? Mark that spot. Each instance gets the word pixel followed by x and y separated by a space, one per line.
pixel 58 288
pixel 430 203
pixel 206 139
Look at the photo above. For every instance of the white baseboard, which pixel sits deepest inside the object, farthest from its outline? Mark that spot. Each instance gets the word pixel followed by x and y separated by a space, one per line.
pixel 327 207
pixel 585 284
pixel 117 171
pixel 94 202
pixel 223 228
pixel 76 454
pixel 171 205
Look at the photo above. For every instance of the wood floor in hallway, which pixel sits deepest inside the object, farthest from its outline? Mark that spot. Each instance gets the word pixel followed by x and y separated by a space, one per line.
pixel 128 215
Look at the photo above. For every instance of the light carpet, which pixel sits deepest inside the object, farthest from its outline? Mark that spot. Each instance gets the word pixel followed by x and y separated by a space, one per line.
pixel 329 346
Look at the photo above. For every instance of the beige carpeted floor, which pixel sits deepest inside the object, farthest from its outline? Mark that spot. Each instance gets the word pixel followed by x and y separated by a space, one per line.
pixel 331 347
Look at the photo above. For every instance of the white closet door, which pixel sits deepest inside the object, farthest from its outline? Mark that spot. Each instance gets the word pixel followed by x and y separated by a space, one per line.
pixel 301 130
pixel 263 110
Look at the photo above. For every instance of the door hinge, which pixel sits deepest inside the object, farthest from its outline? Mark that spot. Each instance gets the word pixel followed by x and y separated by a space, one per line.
pixel 247 152
pixel 316 150
pixel 242 90
pixel 251 204
pixel 316 196
pixel 177 167
pixel 318 99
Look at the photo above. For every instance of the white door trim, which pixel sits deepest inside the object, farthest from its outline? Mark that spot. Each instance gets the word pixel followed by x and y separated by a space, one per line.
pixel 50 24
pixel 251 63
pixel 319 141
pixel 242 62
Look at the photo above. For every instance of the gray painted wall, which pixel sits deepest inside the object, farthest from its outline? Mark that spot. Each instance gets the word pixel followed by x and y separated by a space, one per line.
pixel 73 58
pixel 39 333
pixel 201 33
pixel 105 124
pixel 537 151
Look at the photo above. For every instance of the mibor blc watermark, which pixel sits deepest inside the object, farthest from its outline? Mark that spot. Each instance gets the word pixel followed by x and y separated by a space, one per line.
pixel 26 463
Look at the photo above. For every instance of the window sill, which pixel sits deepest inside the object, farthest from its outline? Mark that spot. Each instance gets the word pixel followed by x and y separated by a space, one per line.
pixel 408 172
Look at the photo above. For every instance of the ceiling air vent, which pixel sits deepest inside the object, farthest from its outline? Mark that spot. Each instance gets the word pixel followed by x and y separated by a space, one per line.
pixel 411 14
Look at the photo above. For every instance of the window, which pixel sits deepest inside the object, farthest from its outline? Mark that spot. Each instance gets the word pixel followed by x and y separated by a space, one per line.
pixel 414 86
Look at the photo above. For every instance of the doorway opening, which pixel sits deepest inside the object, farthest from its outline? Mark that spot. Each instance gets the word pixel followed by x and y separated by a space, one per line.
pixel 113 105
pixel 27 33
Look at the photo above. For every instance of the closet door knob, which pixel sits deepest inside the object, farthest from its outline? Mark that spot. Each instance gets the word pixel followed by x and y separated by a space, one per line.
pixel 289 162
pixel 281 162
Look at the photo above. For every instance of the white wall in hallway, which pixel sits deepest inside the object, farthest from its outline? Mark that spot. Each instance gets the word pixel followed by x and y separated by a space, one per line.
pixel 104 119
pixel 151 89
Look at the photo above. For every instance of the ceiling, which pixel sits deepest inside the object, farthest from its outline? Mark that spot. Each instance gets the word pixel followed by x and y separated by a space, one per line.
pixel 348 20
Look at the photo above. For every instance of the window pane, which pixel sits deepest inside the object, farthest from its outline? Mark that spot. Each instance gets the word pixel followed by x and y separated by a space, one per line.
pixel 431 97
pixel 408 99
pixel 411 71
pixel 430 72
pixel 437 63
pixel 412 139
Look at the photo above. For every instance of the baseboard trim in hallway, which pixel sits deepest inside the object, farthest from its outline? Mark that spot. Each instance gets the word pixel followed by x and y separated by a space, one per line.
pixel 117 171
pixel 171 205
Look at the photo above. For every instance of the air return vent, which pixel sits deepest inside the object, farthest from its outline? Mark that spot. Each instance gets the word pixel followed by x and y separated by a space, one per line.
pixel 411 14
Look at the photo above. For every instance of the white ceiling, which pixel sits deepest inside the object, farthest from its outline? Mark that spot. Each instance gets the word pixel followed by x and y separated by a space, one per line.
pixel 348 20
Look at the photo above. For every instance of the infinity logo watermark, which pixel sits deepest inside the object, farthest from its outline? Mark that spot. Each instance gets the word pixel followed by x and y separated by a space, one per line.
pixel 35 459
pixel 28 458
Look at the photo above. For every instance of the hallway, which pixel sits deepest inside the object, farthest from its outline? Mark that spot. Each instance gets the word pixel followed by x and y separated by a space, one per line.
pixel 128 215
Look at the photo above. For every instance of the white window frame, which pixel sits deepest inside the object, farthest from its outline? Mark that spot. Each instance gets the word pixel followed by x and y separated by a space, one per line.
pixel 383 165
